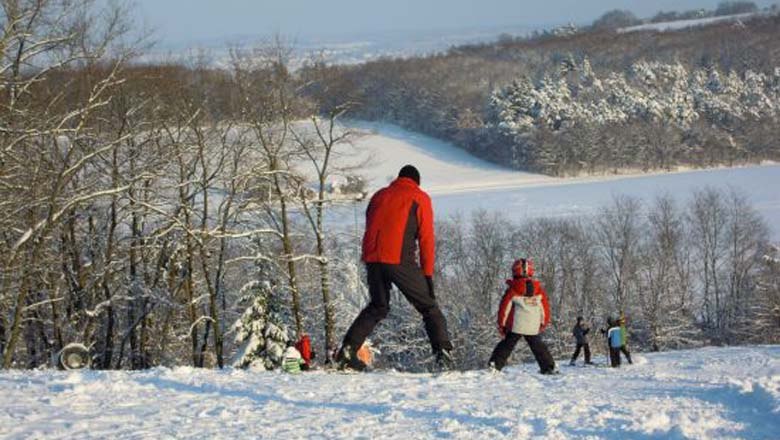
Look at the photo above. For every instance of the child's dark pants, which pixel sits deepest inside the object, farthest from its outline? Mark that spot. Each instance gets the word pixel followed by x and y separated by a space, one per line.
pixel 538 348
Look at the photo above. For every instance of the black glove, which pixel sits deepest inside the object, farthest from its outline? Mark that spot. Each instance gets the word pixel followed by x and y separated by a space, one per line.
pixel 429 280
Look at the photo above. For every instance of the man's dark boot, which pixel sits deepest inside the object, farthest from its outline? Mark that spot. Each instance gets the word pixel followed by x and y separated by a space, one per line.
pixel 347 359
pixel 444 361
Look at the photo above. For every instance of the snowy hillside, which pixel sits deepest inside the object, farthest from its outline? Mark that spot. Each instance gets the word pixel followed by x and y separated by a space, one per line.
pixel 445 168
pixel 461 183
pixel 707 393
pixel 684 24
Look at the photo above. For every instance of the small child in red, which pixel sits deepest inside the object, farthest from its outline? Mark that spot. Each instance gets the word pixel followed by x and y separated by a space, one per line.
pixel 304 347
pixel 524 312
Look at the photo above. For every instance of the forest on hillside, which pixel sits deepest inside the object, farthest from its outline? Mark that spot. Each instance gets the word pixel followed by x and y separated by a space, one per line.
pixel 591 100
pixel 158 215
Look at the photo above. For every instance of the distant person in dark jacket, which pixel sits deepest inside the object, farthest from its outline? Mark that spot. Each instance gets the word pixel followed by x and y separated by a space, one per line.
pixel 399 219
pixel 580 333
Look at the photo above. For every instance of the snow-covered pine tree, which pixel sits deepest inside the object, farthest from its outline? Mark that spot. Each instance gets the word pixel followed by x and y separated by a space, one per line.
pixel 260 333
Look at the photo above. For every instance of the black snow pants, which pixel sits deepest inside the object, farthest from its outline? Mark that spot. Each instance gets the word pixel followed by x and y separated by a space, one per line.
pixel 411 282
pixel 576 354
pixel 538 348
pixel 614 356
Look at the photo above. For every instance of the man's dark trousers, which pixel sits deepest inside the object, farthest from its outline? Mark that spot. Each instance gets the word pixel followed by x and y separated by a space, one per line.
pixel 411 282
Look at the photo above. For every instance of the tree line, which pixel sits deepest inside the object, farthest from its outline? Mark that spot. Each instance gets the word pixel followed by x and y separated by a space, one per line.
pixel 654 116
pixel 451 95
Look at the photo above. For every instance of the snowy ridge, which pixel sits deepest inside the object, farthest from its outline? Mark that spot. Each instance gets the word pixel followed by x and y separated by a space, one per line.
pixel 706 393
pixel 684 24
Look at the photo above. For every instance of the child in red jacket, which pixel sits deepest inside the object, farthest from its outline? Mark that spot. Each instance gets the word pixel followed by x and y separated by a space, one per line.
pixel 524 312
pixel 307 354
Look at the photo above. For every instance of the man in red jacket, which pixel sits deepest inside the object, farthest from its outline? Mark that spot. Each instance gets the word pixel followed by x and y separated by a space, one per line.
pixel 399 217
pixel 524 312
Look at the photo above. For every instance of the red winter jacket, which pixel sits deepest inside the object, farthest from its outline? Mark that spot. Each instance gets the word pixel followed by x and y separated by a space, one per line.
pixel 396 216
pixel 516 288
pixel 304 347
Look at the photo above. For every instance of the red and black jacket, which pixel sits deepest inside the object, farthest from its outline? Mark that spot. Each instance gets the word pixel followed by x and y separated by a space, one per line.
pixel 518 287
pixel 397 216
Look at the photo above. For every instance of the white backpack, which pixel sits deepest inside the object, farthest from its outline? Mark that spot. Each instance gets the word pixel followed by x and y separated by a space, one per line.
pixel 529 315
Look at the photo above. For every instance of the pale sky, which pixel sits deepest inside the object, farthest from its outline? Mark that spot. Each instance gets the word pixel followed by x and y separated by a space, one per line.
pixel 186 21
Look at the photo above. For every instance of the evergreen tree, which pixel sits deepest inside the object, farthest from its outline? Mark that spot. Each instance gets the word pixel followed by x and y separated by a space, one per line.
pixel 260 333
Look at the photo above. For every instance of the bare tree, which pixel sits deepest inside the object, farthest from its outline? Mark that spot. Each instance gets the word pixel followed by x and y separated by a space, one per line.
pixel 708 222
pixel 322 149
pixel 618 233
pixel 665 291
pixel 42 39
pixel 268 106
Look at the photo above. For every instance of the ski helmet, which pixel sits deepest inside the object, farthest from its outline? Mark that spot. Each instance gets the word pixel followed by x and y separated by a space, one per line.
pixel 523 267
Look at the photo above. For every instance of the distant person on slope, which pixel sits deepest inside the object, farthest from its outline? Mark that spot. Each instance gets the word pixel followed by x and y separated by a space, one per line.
pixel 398 218
pixel 624 337
pixel 304 348
pixel 524 312
pixel 291 359
pixel 614 341
pixel 580 333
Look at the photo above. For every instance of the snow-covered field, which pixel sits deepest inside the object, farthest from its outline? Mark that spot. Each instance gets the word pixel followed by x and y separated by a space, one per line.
pixel 461 183
pixel 706 393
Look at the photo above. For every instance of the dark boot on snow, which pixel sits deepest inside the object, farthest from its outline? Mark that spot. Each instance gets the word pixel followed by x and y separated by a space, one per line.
pixel 347 359
pixel 444 361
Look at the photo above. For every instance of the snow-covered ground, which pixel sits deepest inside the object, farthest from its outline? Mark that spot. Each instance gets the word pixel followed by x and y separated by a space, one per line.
pixel 461 183
pixel 706 393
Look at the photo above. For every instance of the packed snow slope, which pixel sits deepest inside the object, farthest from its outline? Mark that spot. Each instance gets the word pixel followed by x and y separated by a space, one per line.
pixel 461 183
pixel 706 393
pixel 445 168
